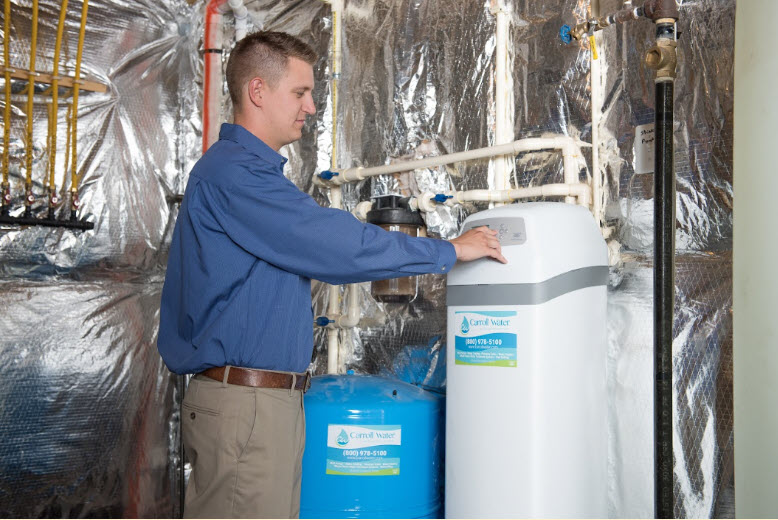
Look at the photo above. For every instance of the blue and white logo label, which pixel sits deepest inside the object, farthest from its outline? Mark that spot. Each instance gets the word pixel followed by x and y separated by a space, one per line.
pixel 465 327
pixel 486 338
pixel 364 450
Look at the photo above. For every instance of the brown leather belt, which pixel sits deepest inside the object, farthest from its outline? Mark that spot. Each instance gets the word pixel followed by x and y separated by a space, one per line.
pixel 261 378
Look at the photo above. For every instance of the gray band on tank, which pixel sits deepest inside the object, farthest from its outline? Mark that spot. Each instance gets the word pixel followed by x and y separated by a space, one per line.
pixel 527 293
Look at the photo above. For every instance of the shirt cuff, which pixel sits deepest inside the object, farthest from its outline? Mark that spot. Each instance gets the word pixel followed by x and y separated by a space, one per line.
pixel 447 257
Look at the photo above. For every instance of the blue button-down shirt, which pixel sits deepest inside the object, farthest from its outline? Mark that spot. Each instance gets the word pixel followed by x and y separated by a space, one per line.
pixel 247 243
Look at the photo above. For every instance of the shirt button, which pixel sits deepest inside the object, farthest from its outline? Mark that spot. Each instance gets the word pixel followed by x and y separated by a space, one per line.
pixel 192 415
pixel 443 268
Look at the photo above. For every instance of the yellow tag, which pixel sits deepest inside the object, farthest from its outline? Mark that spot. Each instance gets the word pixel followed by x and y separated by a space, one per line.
pixel 593 46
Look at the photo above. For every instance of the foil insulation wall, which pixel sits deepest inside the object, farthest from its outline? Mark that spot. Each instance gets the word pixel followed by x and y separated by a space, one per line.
pixel 88 407
pixel 81 309
pixel 88 414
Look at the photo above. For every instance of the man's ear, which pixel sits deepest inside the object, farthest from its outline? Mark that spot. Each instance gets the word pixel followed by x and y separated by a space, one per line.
pixel 256 89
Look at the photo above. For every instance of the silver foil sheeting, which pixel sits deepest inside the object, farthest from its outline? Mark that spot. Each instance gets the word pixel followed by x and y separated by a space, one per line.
pixel 86 405
pixel 89 414
pixel 702 361
pixel 89 411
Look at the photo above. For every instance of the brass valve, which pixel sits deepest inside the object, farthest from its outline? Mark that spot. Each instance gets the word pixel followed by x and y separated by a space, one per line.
pixel 663 58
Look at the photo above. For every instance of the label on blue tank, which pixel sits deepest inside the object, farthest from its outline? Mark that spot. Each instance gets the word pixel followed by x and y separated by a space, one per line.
pixel 365 450
pixel 486 338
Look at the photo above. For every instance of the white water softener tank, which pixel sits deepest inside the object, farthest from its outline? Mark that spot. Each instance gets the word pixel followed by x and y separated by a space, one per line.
pixel 526 403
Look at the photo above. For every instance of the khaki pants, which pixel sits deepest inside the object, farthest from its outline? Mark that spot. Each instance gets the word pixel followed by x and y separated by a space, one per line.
pixel 246 447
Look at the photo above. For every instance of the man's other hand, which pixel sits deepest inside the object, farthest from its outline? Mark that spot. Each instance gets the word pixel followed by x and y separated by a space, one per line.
pixel 478 243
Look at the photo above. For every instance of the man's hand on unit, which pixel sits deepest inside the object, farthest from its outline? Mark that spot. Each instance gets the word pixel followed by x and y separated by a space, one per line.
pixel 478 243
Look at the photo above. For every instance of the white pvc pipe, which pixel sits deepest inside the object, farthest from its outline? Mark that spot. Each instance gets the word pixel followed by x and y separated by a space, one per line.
pixel 351 318
pixel 336 197
pixel 241 18
pixel 503 93
pixel 333 348
pixel 353 312
pixel 570 171
pixel 579 192
pixel 568 146
pixel 333 308
pixel 596 90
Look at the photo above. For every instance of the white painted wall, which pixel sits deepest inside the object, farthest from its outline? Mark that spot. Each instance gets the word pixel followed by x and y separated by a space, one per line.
pixel 756 260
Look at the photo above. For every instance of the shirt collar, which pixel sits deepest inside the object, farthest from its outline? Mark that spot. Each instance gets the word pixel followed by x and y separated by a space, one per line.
pixel 252 143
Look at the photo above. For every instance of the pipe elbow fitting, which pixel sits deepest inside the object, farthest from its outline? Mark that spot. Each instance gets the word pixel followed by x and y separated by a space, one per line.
pixel 360 211
pixel 347 321
pixel 583 193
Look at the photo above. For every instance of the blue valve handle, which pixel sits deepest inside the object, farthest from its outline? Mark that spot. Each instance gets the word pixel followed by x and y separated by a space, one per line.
pixel 323 321
pixel 327 175
pixel 564 34
pixel 441 198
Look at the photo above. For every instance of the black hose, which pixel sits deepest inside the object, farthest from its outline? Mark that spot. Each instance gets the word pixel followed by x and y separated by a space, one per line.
pixel 664 298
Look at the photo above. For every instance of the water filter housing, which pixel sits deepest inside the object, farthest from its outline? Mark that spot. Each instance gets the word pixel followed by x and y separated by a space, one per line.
pixel 526 353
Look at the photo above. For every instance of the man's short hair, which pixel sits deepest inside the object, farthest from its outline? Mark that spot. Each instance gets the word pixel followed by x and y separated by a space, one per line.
pixel 263 54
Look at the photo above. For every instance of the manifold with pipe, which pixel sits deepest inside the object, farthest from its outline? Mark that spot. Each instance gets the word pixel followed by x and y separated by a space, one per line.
pixel 33 76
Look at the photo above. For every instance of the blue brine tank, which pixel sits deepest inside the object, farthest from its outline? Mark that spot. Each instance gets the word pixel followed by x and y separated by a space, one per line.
pixel 373 449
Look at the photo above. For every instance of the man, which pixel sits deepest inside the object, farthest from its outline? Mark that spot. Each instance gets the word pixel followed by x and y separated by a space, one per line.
pixel 236 305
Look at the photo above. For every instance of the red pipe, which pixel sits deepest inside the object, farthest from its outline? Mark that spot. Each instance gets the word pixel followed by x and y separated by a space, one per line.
pixel 212 25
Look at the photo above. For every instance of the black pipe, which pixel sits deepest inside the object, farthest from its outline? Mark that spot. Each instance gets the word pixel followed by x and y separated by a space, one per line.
pixel 48 222
pixel 4 200
pixel 664 298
